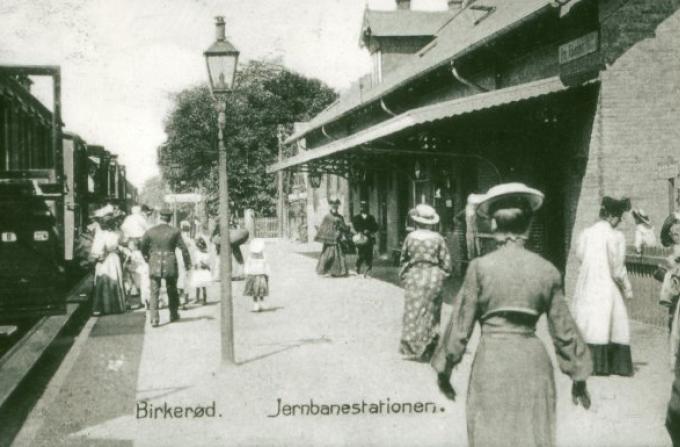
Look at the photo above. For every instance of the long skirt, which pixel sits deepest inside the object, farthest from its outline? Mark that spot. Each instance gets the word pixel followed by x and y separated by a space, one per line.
pixel 422 310
pixel 109 292
pixel 256 285
pixel 511 395
pixel 332 260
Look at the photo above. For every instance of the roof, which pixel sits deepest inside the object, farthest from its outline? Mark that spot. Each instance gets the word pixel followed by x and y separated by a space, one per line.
pixel 462 34
pixel 403 23
pixel 427 114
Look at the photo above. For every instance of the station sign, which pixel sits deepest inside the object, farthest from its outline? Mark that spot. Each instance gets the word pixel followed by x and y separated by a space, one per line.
pixel 183 198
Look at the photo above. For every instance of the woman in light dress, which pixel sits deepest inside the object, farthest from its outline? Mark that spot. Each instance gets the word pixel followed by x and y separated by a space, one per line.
pixel 109 292
pixel 598 304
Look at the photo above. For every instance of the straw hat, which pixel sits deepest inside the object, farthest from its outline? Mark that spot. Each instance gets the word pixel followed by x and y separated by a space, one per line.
pixel 509 192
pixel 641 216
pixel 424 214
pixel 256 246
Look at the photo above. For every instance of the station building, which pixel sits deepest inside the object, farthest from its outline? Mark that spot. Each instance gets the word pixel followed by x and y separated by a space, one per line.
pixel 579 99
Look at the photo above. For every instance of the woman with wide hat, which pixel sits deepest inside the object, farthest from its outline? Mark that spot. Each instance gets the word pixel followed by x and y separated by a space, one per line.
pixel 511 393
pixel 425 263
pixel 598 303
pixel 331 234
pixel 109 292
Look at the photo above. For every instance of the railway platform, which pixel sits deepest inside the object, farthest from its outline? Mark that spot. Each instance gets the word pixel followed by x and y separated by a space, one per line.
pixel 322 343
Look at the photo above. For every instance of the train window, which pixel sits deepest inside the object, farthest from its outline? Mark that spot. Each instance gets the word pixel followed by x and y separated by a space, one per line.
pixel 41 236
pixel 8 236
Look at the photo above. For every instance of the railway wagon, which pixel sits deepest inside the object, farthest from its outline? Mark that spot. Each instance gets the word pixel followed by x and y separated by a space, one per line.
pixel 31 204
pixel 50 182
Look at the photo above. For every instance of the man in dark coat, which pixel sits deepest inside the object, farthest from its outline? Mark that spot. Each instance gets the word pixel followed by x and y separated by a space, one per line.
pixel 158 248
pixel 364 223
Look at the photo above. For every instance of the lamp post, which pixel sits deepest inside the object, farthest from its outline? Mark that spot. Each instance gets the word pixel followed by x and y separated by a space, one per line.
pixel 221 59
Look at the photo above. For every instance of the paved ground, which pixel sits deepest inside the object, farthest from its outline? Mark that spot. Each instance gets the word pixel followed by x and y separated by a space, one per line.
pixel 333 341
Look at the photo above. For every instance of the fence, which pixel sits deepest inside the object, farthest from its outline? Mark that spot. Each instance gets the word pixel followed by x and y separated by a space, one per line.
pixel 266 227
pixel 645 304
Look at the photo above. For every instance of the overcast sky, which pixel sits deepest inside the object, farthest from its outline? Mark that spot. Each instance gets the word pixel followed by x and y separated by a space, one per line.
pixel 122 59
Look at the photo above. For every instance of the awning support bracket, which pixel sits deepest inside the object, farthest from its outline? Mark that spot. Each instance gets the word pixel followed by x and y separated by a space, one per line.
pixel 462 80
pixel 385 108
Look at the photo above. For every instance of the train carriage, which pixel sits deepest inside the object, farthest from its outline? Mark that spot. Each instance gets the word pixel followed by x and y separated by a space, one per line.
pixel 50 183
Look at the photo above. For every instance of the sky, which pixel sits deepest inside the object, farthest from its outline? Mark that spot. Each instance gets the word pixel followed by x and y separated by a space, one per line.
pixel 122 60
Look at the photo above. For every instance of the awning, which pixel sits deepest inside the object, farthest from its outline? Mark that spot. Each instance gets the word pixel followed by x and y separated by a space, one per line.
pixel 427 114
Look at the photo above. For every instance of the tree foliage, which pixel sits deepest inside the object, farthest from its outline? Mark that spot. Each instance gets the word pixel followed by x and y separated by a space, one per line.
pixel 265 96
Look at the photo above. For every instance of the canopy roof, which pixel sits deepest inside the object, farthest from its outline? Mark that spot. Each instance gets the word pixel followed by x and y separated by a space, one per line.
pixel 426 114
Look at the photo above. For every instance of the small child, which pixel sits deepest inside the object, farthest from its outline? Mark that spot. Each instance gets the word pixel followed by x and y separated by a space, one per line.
pixel 257 275
pixel 200 275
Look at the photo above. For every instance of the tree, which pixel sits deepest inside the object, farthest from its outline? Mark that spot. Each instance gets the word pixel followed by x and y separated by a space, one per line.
pixel 266 95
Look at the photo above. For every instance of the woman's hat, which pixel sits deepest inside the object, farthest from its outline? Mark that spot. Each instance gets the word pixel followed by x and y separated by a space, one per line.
pixel 508 195
pixel 424 214
pixel 615 207
pixel 106 211
pixel 641 216
pixel 334 201
pixel 256 246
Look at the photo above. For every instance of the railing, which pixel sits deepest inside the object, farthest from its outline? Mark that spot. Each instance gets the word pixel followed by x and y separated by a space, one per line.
pixel 266 227
pixel 645 303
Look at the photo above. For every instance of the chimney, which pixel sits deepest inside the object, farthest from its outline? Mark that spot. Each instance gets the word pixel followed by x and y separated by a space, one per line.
pixel 404 4
pixel 455 5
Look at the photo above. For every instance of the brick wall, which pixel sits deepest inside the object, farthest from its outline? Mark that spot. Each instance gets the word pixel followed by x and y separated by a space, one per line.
pixel 636 124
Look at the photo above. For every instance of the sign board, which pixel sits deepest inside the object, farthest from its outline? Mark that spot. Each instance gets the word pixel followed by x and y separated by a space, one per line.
pixel 183 198
pixel 577 48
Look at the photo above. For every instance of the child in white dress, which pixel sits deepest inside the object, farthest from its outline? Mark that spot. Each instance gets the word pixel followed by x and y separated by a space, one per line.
pixel 200 275
pixel 256 270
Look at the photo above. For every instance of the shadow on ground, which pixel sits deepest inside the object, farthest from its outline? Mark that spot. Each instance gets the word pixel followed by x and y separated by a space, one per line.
pixel 384 270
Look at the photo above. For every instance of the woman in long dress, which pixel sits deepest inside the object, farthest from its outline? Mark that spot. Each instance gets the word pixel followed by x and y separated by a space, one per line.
pixel 511 393
pixel 602 283
pixel 331 231
pixel 109 292
pixel 425 264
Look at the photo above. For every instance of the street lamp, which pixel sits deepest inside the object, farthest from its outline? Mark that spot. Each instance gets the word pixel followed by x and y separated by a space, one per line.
pixel 221 59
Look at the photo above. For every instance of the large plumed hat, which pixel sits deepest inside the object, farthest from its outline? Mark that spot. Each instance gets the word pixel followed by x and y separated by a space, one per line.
pixel 509 195
pixel 424 214
pixel 106 211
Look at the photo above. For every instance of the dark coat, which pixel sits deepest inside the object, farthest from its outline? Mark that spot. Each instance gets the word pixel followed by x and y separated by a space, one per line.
pixel 158 247
pixel 367 226
pixel 331 229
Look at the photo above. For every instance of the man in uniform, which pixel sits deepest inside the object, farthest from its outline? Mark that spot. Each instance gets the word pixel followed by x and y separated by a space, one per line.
pixel 158 247
pixel 364 223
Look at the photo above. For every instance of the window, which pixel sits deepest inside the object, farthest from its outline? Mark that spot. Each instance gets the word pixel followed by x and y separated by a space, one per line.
pixel 376 58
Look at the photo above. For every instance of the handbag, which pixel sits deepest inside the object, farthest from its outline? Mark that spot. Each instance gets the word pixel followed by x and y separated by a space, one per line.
pixel 360 239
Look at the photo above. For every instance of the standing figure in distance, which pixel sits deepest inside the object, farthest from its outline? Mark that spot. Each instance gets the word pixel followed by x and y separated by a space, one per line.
pixel 511 393
pixel 331 232
pixel 200 275
pixel 365 226
pixel 602 284
pixel 644 231
pixel 257 275
pixel 158 247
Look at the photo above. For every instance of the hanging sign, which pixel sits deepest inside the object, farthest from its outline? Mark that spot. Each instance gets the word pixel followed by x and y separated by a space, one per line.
pixel 577 48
